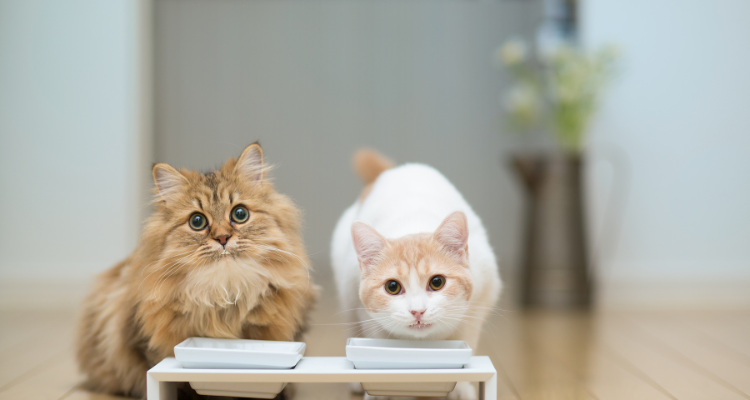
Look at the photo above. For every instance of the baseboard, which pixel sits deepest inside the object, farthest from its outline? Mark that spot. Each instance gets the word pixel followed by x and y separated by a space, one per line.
pixel 674 295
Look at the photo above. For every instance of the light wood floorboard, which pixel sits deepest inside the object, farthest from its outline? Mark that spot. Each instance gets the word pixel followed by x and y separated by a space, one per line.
pixel 680 380
pixel 42 346
pixel 666 337
pixel 725 331
pixel 538 355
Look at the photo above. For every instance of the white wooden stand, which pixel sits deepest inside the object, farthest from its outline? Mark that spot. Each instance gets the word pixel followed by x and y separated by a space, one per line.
pixel 163 378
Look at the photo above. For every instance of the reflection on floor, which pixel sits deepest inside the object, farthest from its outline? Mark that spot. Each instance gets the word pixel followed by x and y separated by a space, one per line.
pixel 539 355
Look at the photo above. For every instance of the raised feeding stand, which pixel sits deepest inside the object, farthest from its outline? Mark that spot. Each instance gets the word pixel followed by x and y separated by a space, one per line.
pixel 162 379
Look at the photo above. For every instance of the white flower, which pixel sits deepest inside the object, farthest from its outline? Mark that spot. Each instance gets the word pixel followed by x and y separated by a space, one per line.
pixel 611 51
pixel 562 54
pixel 522 103
pixel 511 53
pixel 567 93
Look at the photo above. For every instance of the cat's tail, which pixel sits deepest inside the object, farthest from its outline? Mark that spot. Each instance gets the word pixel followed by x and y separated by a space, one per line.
pixel 369 164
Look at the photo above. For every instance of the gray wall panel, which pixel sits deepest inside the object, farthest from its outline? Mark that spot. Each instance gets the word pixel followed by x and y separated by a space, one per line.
pixel 313 81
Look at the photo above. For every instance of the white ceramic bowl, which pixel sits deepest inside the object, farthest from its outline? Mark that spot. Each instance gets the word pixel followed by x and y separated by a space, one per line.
pixel 238 353
pixel 407 354
pixel 258 390
pixel 412 389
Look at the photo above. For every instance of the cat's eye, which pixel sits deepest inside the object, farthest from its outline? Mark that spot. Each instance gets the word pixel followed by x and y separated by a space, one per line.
pixel 240 214
pixel 197 221
pixel 437 282
pixel 393 287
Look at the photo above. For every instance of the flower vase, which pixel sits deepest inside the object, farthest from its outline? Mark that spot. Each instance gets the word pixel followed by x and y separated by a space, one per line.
pixel 554 262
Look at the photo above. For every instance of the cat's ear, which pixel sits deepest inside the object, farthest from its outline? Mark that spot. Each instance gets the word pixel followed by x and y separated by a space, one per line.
pixel 453 235
pixel 169 182
pixel 368 244
pixel 250 164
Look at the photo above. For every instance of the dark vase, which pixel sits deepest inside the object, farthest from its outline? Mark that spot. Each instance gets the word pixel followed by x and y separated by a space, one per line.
pixel 554 262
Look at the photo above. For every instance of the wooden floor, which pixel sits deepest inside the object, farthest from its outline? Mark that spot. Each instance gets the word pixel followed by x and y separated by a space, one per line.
pixel 539 355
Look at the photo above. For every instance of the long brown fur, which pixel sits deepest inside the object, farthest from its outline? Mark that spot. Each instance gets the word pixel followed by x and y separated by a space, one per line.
pixel 177 285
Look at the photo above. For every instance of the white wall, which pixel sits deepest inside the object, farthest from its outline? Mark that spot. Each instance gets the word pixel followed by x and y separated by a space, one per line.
pixel 73 165
pixel 70 140
pixel 679 112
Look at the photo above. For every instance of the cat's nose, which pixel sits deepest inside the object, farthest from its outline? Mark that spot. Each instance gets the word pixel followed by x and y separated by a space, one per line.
pixel 417 314
pixel 223 239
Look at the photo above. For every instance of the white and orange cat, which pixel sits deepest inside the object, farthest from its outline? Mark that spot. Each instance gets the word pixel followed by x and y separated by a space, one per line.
pixel 411 258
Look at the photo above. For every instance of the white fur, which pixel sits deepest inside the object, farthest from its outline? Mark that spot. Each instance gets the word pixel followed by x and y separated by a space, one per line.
pixel 409 199
pixel 416 198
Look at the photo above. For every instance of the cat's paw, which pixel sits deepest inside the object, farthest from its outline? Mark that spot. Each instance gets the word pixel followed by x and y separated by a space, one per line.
pixel 463 391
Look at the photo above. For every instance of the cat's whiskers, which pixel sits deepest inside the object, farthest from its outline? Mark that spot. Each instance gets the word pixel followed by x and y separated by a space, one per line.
pixel 245 246
pixel 271 240
pixel 389 325
pixel 189 259
pixel 357 328
pixel 199 266
pixel 166 255
pixel 166 268
pixel 459 321
pixel 143 270
pixel 173 269
pixel 164 304
pixel 485 307
pixel 378 327
pixel 483 313
pixel 178 263
pixel 470 322
pixel 480 320
pixel 276 249
pixel 355 322
pixel 300 259
pixel 390 330
pixel 375 321
pixel 473 310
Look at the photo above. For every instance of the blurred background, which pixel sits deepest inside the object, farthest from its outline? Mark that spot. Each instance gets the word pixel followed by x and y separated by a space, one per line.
pixel 604 144
pixel 92 93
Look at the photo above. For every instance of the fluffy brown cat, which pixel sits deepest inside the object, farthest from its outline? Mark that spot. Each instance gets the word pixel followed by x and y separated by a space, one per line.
pixel 221 257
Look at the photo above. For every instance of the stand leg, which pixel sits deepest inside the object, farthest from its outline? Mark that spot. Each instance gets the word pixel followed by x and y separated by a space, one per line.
pixel 487 390
pixel 156 390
